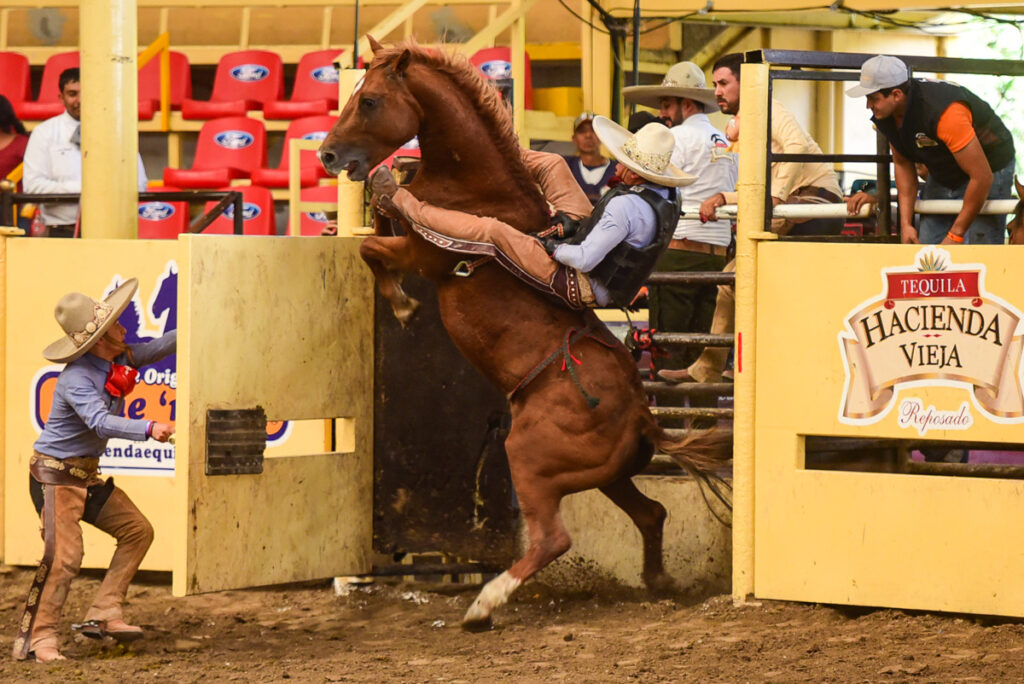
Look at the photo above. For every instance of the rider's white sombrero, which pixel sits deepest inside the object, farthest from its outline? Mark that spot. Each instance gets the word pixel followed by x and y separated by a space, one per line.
pixel 86 320
pixel 646 153
pixel 684 79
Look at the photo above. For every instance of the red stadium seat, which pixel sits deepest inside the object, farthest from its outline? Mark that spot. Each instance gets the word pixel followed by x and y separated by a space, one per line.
pixel 48 103
pixel 315 90
pixel 228 148
pixel 149 84
pixel 245 80
pixel 162 220
pixel 313 222
pixel 496 63
pixel 15 78
pixel 258 213
pixel 311 170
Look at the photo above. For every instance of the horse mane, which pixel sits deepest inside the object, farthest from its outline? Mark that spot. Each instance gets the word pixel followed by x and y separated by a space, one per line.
pixel 483 97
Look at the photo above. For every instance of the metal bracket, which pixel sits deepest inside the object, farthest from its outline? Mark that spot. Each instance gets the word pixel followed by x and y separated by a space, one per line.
pixel 235 441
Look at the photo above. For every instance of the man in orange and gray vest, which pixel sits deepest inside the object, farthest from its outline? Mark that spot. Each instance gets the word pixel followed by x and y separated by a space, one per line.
pixel 966 148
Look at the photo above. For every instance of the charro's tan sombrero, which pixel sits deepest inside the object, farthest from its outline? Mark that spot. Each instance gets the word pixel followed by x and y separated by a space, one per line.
pixel 86 320
pixel 646 152
pixel 684 79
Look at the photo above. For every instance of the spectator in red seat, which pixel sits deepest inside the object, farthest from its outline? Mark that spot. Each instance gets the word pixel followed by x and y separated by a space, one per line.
pixel 13 138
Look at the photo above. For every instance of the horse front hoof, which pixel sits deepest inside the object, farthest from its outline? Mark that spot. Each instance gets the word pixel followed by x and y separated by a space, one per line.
pixel 405 312
pixel 480 623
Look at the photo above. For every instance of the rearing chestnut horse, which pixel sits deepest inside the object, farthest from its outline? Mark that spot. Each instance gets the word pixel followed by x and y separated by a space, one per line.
pixel 558 443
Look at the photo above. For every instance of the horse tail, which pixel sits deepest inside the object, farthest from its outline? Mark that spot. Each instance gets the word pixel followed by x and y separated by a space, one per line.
pixel 702 454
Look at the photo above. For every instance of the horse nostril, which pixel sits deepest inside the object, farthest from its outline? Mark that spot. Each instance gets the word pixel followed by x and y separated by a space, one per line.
pixel 327 157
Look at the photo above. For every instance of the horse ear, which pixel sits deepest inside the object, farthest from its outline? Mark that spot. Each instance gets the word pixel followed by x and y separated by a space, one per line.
pixel 374 45
pixel 402 63
pixel 1020 187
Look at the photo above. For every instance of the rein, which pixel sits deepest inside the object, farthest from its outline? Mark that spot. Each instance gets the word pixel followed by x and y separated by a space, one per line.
pixel 565 352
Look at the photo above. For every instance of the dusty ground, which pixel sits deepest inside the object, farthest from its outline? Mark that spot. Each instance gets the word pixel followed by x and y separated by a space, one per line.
pixel 409 633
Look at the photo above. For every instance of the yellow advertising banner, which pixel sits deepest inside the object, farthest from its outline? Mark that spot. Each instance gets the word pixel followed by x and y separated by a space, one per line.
pixel 933 324
pixel 145 470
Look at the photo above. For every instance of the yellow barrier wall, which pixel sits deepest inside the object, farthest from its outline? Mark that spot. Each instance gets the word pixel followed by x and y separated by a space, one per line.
pixel 286 324
pixel 145 470
pixel 906 541
pixel 39 273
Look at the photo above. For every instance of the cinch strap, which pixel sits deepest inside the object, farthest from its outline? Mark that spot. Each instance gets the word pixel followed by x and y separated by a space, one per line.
pixel 569 363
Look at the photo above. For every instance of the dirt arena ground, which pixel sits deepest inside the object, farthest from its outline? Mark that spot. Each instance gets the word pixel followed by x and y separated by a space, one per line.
pixel 410 633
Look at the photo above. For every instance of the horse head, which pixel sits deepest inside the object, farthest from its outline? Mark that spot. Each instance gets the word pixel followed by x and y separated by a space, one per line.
pixel 379 118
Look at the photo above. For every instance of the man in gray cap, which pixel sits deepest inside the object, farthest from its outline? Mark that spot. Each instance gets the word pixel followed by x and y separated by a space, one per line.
pixel 684 100
pixel 589 167
pixel 964 145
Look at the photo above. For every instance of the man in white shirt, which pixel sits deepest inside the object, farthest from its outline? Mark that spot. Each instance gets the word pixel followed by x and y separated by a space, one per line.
pixel 683 99
pixel 53 158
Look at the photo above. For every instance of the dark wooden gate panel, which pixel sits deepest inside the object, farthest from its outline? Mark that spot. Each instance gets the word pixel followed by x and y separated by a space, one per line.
pixel 441 479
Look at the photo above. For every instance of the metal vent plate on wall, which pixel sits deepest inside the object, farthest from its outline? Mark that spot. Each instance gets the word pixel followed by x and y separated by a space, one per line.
pixel 235 441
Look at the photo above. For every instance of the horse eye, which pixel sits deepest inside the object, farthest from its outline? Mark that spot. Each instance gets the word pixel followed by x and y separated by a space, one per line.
pixel 368 103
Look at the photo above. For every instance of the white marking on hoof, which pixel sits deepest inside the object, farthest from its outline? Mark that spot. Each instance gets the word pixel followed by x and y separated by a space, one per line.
pixel 495 593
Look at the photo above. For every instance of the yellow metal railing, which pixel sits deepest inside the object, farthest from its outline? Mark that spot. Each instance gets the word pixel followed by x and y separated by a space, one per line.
pixel 161 46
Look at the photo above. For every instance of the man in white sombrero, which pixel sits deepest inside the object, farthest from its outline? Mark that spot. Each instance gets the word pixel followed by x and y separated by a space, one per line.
pixel 684 99
pixel 607 257
pixel 88 403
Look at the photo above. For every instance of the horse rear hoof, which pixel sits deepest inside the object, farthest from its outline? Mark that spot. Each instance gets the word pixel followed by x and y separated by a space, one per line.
pixel 484 624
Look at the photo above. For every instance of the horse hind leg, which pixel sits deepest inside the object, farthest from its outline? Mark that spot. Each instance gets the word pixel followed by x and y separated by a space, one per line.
pixel 548 540
pixel 649 517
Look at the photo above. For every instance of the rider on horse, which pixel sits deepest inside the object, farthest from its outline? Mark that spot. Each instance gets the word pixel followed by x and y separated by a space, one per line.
pixel 602 256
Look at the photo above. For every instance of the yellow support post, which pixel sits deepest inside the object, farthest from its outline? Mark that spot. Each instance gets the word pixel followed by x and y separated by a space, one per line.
pixel 381 30
pixel 518 49
pixel 350 193
pixel 595 64
pixel 749 230
pixel 161 46
pixel 485 37
pixel 110 119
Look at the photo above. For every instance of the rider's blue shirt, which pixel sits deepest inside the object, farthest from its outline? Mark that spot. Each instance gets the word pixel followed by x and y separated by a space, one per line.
pixel 626 218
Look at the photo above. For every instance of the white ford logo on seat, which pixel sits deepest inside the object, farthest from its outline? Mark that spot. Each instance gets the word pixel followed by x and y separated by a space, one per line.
pixel 234 140
pixel 156 211
pixel 497 68
pixel 249 211
pixel 315 135
pixel 250 72
pixel 325 74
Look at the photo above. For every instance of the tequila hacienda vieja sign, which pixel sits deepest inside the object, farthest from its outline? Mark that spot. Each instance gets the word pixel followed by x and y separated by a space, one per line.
pixel 934 324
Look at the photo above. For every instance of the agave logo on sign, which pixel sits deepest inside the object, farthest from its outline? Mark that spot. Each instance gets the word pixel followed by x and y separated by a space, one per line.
pixel 156 211
pixel 234 140
pixel 155 394
pixel 250 73
pixel 325 74
pixel 934 324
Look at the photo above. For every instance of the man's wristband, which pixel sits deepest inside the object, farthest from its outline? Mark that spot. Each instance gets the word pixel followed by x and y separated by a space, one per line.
pixel 149 428
pixel 959 239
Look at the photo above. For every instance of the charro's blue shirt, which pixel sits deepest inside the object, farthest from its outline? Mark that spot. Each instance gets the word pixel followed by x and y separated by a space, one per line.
pixel 627 218
pixel 84 415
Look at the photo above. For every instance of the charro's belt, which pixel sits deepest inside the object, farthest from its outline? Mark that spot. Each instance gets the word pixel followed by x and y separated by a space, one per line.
pixel 77 471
